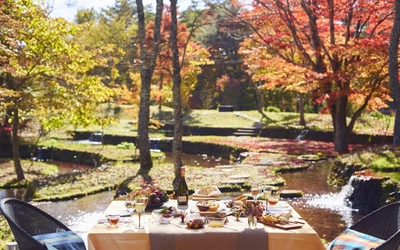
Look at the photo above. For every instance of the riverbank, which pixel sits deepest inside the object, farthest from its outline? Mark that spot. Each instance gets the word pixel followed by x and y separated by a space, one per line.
pixel 115 168
pixel 107 177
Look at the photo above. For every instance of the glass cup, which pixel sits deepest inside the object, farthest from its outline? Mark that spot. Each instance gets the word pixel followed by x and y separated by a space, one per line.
pixel 255 189
pixel 273 199
pixel 237 212
pixel 266 192
pixel 113 219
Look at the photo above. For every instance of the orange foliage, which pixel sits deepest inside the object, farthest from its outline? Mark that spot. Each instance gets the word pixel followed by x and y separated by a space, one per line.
pixel 192 55
pixel 302 46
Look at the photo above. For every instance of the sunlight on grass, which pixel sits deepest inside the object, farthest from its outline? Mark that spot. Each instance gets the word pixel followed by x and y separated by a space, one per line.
pixel 126 121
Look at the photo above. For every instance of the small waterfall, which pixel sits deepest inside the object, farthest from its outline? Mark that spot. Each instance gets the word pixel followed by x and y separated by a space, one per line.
pixel 346 191
pixel 336 202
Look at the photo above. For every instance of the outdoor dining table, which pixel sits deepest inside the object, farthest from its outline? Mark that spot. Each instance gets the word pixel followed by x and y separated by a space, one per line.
pixel 176 236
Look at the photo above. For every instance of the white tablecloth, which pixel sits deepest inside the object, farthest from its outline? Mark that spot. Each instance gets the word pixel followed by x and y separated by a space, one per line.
pixel 176 236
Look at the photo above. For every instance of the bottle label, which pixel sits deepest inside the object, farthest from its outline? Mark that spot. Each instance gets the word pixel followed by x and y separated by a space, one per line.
pixel 182 199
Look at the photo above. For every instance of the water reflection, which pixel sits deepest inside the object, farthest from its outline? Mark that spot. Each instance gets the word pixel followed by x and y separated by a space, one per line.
pixel 14 193
pixel 79 214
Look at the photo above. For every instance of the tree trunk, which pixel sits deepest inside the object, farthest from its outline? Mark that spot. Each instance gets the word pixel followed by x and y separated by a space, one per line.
pixel 143 129
pixel 341 132
pixel 15 146
pixel 260 100
pixel 147 65
pixel 177 100
pixel 394 71
pixel 301 109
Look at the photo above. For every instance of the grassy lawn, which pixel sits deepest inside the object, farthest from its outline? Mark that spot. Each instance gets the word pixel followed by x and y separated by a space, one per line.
pixel 126 121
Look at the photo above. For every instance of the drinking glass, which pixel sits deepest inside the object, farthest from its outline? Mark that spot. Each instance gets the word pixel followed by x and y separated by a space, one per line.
pixel 141 200
pixel 254 190
pixel 266 192
pixel 274 198
pixel 130 206
pixel 113 219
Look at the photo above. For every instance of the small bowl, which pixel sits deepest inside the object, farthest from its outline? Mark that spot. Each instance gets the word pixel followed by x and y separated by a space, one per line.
pixel 202 206
pixel 195 221
pixel 113 219
pixel 216 221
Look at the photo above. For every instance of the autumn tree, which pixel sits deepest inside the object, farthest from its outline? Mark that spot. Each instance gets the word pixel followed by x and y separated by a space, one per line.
pixel 177 100
pixel 192 57
pixel 337 48
pixel 225 81
pixel 178 63
pixel 148 56
pixel 112 31
pixel 44 72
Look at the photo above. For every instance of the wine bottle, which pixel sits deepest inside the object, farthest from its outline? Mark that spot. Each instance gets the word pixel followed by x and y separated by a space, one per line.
pixel 183 191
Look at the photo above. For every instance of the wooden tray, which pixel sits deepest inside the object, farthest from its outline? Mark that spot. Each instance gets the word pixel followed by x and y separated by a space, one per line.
pixel 286 226
pixel 206 197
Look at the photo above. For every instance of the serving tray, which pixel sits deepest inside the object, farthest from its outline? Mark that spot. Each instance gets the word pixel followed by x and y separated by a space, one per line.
pixel 206 197
pixel 286 226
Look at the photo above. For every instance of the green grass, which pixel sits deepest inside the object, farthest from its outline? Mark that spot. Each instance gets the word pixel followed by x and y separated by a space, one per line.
pixel 121 152
pixel 126 121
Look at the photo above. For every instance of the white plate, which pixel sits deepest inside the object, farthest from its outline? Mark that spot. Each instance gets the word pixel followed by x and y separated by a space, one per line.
pixel 278 207
pixel 121 220
pixel 122 213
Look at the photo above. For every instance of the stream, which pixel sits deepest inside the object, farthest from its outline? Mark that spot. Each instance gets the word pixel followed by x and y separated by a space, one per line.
pixel 322 206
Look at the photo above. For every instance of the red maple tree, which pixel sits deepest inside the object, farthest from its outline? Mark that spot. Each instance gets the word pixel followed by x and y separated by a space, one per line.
pixel 337 50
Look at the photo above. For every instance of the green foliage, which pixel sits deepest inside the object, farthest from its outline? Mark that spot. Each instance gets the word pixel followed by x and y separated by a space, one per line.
pixel 376 114
pixel 5 233
pixel 386 161
pixel 126 145
pixel 272 109
pixel 382 162
pixel 53 81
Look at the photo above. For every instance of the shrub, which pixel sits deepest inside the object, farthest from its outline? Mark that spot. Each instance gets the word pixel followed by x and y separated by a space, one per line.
pixel 126 145
pixel 273 109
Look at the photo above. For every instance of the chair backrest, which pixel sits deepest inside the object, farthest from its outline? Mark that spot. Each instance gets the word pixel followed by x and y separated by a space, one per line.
pixel 26 220
pixel 383 223
pixel 393 243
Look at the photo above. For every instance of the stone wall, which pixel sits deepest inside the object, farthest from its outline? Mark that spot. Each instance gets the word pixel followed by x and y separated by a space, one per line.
pixel 367 194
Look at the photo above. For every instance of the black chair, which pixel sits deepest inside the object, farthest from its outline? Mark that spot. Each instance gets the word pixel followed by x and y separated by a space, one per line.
pixel 35 229
pixel 384 224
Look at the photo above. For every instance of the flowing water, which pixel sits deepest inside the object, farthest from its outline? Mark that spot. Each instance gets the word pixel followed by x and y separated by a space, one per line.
pixel 322 206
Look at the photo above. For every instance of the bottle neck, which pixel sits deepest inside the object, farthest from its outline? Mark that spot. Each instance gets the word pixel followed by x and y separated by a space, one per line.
pixel 183 172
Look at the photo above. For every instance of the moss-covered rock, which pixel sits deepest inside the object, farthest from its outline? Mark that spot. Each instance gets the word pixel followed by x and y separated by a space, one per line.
pixel 341 172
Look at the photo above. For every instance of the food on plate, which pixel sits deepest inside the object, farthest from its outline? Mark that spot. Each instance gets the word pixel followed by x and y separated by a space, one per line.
pixel 156 195
pixel 216 221
pixel 195 221
pixel 207 206
pixel 208 191
pixel 168 212
pixel 214 207
pixel 274 219
pixel 237 202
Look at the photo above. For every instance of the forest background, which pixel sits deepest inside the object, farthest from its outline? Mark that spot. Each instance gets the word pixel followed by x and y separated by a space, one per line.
pixel 289 56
